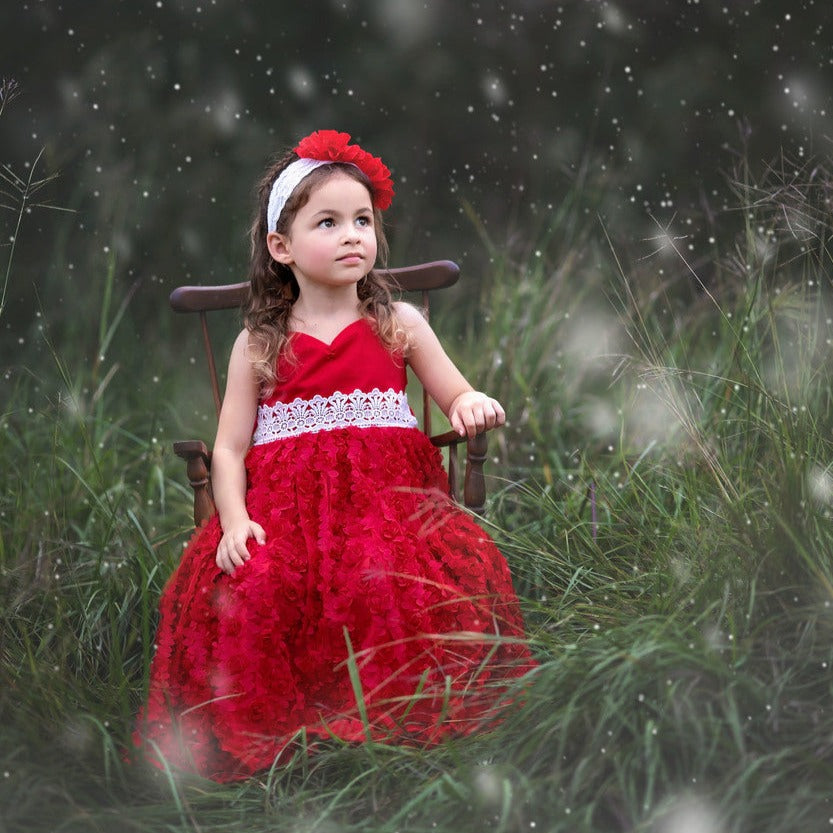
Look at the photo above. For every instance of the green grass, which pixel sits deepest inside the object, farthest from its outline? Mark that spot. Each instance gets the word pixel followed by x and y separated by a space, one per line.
pixel 663 493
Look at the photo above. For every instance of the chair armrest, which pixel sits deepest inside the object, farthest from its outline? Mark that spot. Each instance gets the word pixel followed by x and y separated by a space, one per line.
pixel 447 439
pixel 188 449
pixel 198 467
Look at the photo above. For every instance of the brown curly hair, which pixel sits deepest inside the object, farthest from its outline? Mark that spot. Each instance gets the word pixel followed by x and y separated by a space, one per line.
pixel 273 289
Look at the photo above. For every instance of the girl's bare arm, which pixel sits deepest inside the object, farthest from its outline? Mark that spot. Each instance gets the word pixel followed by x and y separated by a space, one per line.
pixel 468 410
pixel 228 477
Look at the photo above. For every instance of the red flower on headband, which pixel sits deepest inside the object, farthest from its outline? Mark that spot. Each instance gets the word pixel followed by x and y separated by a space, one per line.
pixel 332 146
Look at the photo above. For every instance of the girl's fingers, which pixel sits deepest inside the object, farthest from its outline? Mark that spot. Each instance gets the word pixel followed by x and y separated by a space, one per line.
pixel 477 414
pixel 493 414
pixel 233 550
pixel 228 560
pixel 224 562
pixel 258 533
pixel 500 414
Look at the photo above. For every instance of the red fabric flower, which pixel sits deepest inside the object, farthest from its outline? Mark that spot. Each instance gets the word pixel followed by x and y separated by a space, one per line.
pixel 332 146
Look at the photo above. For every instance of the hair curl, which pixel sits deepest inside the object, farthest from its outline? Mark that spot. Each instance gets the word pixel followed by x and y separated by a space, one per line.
pixel 273 289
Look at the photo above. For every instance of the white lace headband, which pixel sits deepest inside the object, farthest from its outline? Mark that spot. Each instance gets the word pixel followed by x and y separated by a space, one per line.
pixel 326 147
pixel 289 179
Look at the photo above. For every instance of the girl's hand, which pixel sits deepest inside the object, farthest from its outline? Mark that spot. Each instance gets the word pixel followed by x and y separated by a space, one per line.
pixel 473 412
pixel 232 551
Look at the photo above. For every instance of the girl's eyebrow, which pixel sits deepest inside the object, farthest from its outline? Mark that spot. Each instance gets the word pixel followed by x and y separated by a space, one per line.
pixel 336 211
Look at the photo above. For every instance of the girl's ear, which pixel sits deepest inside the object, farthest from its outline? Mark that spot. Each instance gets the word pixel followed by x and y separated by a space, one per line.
pixel 279 248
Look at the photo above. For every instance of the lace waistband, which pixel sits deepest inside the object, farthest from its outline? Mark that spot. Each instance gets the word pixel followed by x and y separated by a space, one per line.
pixel 383 409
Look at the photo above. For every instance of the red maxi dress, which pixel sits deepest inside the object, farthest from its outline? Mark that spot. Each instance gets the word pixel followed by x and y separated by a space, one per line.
pixel 376 608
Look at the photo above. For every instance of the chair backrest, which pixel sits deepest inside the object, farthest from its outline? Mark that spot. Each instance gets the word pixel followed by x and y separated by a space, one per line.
pixel 204 299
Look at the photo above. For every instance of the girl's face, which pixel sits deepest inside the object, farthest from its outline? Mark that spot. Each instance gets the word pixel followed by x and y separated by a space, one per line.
pixel 331 241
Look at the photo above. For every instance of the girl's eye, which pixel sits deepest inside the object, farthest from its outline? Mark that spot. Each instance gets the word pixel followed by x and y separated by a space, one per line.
pixel 327 222
pixel 364 221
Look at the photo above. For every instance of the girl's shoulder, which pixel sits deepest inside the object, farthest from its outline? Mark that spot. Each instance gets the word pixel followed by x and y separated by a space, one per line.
pixel 412 324
pixel 241 343
pixel 408 315
pixel 241 353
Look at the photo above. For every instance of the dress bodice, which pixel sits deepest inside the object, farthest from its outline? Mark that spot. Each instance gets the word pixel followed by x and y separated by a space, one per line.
pixel 355 360
pixel 353 381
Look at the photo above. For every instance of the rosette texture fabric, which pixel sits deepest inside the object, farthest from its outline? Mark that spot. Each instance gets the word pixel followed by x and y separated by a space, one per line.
pixel 376 608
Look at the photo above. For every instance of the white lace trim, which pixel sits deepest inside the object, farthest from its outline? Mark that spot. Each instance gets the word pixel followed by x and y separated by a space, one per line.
pixel 381 409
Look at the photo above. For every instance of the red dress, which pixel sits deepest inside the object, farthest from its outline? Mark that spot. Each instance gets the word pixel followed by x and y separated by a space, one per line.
pixel 375 608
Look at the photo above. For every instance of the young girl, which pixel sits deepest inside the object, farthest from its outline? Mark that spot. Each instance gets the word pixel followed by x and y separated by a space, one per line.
pixel 338 592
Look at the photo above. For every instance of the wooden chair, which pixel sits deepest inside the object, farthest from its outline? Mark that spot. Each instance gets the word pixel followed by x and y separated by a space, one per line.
pixel 422 278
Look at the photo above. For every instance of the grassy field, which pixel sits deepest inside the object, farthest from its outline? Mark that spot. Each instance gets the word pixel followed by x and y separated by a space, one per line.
pixel 663 494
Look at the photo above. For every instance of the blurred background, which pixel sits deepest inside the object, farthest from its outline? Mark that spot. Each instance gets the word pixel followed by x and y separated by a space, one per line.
pixel 157 116
pixel 639 194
